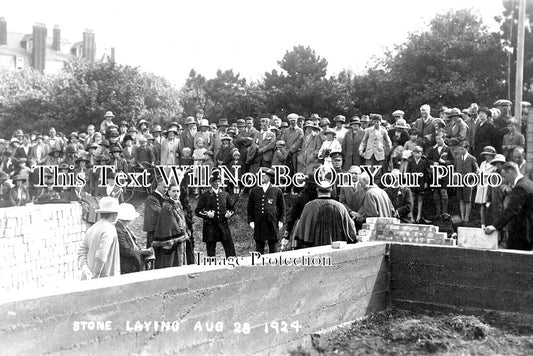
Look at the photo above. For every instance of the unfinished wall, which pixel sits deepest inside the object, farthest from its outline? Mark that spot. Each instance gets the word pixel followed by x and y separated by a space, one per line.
pixel 38 245
pixel 356 284
pixel 462 280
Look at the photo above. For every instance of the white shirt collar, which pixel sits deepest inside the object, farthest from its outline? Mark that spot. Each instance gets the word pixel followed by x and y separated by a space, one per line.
pixel 265 187
pixel 215 190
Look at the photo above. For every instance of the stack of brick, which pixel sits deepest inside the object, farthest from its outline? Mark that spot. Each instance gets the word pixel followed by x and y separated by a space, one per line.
pixel 390 229
pixel 38 245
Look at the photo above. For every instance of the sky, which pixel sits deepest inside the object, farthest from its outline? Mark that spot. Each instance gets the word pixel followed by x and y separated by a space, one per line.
pixel 170 38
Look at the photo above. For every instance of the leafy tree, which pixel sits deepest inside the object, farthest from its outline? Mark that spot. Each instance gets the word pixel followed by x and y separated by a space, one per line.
pixel 81 94
pixel 301 86
pixel 225 96
pixel 455 62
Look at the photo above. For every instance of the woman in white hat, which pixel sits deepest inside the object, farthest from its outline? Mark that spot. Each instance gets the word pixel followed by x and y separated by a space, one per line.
pixel 330 145
pixel 486 168
pixel 132 256
pixel 98 255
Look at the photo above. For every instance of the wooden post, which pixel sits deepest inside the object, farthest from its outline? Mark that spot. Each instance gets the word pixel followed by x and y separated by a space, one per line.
pixel 529 145
pixel 520 61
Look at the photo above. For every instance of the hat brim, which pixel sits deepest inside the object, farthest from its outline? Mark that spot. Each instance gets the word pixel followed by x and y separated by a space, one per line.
pixel 497 161
pixel 106 211
pixel 488 153
pixel 129 217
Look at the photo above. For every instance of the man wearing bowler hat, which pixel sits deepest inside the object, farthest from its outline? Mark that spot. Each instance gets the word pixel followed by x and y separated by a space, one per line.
pixel 98 255
pixel 266 212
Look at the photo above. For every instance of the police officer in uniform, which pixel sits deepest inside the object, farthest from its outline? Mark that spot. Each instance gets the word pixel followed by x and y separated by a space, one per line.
pixel 266 213
pixel 215 207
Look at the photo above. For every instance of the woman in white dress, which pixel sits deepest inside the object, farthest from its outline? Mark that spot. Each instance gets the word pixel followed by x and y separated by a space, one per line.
pixel 330 145
pixel 482 189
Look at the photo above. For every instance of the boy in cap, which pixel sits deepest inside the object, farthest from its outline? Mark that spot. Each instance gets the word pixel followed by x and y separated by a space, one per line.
pixel 418 164
pixel 512 139
pixel 465 163
pixel 143 153
pixel 280 154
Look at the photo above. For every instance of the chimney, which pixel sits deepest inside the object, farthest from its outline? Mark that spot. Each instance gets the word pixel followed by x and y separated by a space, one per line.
pixel 112 54
pixel 3 31
pixel 56 42
pixel 38 55
pixel 89 47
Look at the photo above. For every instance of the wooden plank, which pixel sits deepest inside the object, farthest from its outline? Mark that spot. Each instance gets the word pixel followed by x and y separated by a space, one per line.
pixel 465 296
pixel 516 261
pixel 479 278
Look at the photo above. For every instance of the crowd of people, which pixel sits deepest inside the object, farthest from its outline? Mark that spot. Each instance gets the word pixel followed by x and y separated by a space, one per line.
pixel 473 140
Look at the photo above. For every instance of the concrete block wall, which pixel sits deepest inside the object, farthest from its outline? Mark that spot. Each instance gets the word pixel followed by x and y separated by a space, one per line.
pixel 390 229
pixel 38 245
pixel 206 304
pixel 463 280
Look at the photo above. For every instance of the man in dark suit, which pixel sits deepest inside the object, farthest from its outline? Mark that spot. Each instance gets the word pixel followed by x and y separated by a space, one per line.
pixel 352 197
pixel 187 136
pixel 266 213
pixel 152 207
pixel 351 142
pixel 215 207
pixel 266 142
pixel 518 216
pixel 440 155
pixel 402 199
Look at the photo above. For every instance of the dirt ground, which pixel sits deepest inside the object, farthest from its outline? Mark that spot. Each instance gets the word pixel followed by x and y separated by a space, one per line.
pixel 407 333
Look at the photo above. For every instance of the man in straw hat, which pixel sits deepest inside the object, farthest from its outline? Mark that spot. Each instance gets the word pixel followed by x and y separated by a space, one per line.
pixel 99 255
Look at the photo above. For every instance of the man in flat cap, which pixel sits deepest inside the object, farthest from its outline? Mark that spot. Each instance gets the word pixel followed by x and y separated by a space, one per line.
pixel 293 137
pixel 376 143
pixel 424 125
pixel 350 145
pixel 266 212
pixel 501 122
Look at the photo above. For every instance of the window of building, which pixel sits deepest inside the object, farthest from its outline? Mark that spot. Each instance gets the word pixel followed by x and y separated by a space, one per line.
pixel 20 63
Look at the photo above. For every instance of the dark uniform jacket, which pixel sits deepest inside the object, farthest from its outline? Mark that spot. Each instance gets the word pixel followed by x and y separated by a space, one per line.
pixel 265 210
pixel 486 135
pixel 518 216
pixel 216 228
pixel 152 207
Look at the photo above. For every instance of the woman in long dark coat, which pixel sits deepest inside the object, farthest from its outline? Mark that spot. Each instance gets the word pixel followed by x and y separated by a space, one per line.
pixel 171 232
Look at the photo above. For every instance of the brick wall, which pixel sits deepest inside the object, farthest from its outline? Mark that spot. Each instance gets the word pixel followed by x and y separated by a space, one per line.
pixel 38 245
pixel 390 229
